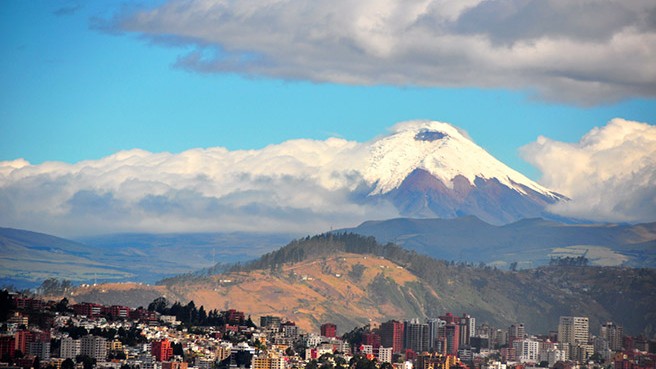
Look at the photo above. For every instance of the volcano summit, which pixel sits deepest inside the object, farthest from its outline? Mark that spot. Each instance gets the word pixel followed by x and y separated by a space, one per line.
pixel 433 169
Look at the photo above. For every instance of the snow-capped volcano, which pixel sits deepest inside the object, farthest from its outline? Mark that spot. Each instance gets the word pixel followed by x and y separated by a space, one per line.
pixel 420 169
pixel 434 169
pixel 442 150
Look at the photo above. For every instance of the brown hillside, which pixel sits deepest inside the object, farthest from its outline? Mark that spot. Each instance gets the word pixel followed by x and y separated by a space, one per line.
pixel 314 280
pixel 310 293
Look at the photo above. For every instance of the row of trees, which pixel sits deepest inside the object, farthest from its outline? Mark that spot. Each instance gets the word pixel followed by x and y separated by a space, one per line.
pixel 54 286
pixel 570 261
pixel 129 337
pixel 190 315
pixel 336 361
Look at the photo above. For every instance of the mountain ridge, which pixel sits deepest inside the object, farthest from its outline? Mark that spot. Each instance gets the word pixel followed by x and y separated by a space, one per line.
pixel 29 257
pixel 349 279
pixel 530 242
pixel 151 257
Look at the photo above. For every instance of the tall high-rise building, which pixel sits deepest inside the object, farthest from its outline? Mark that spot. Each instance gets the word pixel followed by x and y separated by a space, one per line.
pixel 329 330
pixel 22 339
pixel 573 330
pixel 434 326
pixel 516 332
pixel 69 348
pixel 527 350
pixel 391 335
pixel 451 338
pixel 467 328
pixel 94 347
pixel 40 349
pixel 449 335
pixel 613 334
pixel 416 336
pixel 269 321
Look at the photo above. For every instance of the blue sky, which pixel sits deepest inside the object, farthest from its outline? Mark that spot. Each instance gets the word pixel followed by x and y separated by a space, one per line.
pixel 72 92
pixel 87 86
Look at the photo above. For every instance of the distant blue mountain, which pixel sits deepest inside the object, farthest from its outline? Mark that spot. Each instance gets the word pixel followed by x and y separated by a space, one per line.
pixel 27 258
pixel 529 242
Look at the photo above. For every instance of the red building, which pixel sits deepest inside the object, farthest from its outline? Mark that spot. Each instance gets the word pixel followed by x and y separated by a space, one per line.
pixel 452 338
pixel 233 316
pixel 23 303
pixel 162 350
pixel 26 362
pixel 22 340
pixel 449 318
pixel 88 309
pixel 372 339
pixel 391 335
pixel 7 346
pixel 118 312
pixel 329 330
pixel 143 315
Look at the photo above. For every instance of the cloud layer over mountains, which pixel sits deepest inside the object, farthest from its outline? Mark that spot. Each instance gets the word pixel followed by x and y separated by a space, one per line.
pixel 583 52
pixel 300 186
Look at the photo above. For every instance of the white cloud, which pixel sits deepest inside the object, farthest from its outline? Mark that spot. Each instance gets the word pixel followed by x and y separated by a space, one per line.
pixel 573 51
pixel 297 186
pixel 303 186
pixel 610 174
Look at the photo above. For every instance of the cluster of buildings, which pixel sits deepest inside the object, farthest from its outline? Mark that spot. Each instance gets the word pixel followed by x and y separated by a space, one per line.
pixel 92 334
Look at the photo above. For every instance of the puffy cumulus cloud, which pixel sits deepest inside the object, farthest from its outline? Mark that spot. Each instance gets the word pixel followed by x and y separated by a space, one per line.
pixel 298 186
pixel 610 174
pixel 574 51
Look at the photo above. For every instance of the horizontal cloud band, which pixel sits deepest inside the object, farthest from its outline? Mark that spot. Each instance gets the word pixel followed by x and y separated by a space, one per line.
pixel 300 186
pixel 572 51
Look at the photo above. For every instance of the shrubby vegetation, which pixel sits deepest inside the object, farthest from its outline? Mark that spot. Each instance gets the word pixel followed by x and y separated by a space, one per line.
pixel 189 315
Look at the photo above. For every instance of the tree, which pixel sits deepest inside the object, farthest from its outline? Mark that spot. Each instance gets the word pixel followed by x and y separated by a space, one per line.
pixel 354 337
pixel 68 364
pixel 385 365
pixel 87 361
pixel 159 305
pixel 243 358
pixel 312 365
pixel 202 316
pixel 178 349
pixel 62 305
pixel 356 272
pixel 5 305
pixel 340 362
